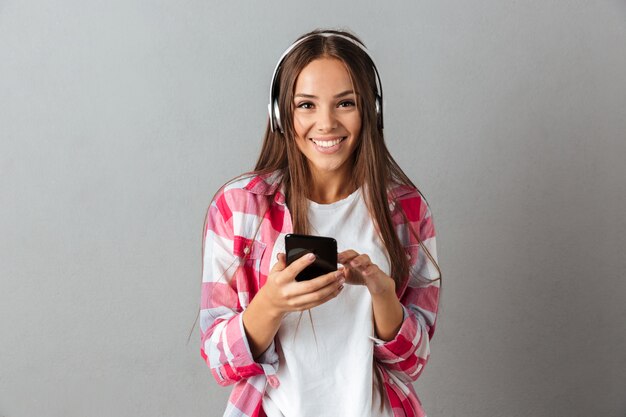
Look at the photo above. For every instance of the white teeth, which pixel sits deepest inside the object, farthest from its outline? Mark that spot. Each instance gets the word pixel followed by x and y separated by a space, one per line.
pixel 327 143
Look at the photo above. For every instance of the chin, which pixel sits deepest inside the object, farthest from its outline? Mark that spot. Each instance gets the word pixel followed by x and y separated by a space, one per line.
pixel 328 167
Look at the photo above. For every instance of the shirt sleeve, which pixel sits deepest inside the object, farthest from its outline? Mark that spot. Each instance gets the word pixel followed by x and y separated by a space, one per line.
pixel 224 345
pixel 406 355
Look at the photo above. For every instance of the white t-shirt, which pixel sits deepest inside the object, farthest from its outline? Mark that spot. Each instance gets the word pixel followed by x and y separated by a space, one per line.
pixel 326 359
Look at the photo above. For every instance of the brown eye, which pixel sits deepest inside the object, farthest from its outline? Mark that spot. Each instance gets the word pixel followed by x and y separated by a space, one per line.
pixel 346 103
pixel 305 105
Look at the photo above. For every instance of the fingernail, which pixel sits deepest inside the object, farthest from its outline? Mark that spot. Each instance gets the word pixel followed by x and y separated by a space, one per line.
pixel 342 281
pixel 310 256
pixel 339 273
pixel 341 288
pixel 355 263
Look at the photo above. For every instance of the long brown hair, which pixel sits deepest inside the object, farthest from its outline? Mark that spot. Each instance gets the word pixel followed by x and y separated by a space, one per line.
pixel 374 169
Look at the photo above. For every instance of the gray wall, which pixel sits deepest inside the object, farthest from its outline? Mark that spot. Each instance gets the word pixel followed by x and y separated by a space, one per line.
pixel 120 118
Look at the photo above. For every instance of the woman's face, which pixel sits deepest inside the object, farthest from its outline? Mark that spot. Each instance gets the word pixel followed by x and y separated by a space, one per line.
pixel 326 119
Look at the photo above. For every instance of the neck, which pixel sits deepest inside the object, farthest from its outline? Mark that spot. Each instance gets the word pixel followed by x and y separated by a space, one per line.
pixel 329 187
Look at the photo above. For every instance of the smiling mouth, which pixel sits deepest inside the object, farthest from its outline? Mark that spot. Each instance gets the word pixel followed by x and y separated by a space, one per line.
pixel 328 143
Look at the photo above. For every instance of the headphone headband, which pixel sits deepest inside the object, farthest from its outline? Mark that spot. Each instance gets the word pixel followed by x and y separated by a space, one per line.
pixel 273 108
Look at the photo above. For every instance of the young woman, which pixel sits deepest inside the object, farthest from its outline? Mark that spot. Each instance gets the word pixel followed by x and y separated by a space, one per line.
pixel 324 169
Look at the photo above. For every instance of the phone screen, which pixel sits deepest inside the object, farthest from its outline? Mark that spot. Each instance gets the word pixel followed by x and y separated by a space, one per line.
pixel 324 248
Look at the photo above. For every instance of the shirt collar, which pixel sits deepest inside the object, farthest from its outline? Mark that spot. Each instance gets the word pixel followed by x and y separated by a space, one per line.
pixel 269 183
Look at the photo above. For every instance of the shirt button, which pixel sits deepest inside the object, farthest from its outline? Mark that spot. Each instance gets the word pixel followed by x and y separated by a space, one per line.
pixel 391 206
pixel 408 256
pixel 246 250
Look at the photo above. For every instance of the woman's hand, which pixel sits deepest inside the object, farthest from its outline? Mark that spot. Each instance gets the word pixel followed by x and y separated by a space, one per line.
pixel 284 294
pixel 359 270
pixel 388 312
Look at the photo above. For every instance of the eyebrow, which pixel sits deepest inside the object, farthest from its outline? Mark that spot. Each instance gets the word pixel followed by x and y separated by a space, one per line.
pixel 342 94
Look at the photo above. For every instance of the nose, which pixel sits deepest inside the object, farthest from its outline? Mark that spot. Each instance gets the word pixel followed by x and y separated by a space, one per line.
pixel 327 120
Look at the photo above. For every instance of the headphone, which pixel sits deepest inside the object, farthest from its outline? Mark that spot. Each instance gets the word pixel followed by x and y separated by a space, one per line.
pixel 272 107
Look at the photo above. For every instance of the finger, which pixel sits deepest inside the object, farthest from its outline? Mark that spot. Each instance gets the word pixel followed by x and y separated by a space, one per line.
pixel 298 265
pixel 316 284
pixel 353 276
pixel 322 281
pixel 324 294
pixel 280 264
pixel 361 262
pixel 346 256
pixel 370 271
pixel 315 304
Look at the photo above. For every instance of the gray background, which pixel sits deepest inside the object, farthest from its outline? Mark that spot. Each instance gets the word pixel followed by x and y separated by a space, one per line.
pixel 120 118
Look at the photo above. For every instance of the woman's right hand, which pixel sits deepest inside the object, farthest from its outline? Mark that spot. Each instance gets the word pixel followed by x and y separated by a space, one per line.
pixel 284 294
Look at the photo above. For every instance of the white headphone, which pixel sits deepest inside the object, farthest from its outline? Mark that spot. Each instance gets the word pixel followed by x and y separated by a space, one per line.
pixel 272 107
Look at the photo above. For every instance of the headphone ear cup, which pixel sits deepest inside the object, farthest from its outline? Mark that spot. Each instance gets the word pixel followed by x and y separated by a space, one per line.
pixel 277 122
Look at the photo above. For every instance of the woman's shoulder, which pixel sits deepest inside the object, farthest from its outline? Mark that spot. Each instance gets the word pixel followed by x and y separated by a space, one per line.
pixel 410 198
pixel 400 191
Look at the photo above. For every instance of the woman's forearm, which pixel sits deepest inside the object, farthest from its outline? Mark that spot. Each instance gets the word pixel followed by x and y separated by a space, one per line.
pixel 261 324
pixel 388 315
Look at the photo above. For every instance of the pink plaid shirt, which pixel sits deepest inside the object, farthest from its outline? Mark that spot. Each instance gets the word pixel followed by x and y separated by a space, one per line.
pixel 244 220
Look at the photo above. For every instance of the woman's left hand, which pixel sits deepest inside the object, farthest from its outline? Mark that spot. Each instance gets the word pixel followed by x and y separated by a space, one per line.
pixel 359 270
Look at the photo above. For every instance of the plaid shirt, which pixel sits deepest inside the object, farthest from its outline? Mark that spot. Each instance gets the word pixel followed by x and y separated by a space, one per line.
pixel 245 219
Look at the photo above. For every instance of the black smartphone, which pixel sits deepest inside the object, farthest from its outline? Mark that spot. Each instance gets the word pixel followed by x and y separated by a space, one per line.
pixel 324 248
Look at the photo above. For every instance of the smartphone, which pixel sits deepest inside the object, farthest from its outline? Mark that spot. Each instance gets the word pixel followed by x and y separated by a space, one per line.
pixel 324 248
